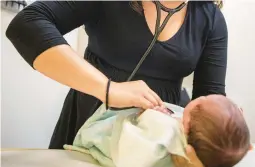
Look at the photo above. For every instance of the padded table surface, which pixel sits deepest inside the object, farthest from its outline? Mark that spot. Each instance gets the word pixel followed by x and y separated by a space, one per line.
pixel 65 158
pixel 46 158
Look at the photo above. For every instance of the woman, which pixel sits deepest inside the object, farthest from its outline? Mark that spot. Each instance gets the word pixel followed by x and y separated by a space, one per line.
pixel 193 40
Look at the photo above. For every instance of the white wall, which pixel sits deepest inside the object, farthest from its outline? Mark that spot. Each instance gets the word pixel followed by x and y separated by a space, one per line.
pixel 82 41
pixel 241 68
pixel 31 103
pixel 240 81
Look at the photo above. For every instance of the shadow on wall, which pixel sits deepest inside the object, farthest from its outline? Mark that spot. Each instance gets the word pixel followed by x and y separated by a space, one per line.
pixel 13 6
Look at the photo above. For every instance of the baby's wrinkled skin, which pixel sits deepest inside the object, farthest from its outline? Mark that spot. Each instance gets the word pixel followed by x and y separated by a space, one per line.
pixel 191 154
pixel 208 103
pixel 203 100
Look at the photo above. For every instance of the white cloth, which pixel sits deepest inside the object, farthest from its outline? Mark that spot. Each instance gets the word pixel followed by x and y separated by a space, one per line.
pixel 124 138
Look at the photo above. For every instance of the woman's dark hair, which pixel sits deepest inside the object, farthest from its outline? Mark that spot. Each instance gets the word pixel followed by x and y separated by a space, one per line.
pixel 138 6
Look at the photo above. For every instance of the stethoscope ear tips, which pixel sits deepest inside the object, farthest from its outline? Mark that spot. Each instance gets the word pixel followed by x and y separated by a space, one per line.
pixel 169 10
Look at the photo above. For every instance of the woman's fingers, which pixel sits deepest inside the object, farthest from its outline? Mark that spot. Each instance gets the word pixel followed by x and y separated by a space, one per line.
pixel 160 102
pixel 133 93
pixel 144 103
pixel 148 95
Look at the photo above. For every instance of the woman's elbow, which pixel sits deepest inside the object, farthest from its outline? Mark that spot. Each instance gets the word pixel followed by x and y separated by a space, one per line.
pixel 20 35
pixel 13 29
pixel 26 32
pixel 205 91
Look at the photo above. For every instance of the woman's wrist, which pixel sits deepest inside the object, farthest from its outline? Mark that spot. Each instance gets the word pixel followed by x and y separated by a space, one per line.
pixel 100 88
pixel 107 93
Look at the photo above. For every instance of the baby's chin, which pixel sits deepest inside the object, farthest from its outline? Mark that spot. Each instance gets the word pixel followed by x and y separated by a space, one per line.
pixel 177 118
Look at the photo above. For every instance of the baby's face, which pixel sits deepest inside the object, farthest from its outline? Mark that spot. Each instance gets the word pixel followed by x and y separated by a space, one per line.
pixel 186 115
pixel 215 104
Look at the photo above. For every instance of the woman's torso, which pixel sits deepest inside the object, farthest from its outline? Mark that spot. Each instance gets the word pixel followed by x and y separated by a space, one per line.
pixel 120 36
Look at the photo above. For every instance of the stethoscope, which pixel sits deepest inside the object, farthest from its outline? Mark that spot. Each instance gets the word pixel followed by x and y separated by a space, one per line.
pixel 158 30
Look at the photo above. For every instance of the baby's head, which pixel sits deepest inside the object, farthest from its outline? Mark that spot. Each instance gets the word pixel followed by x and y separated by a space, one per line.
pixel 217 131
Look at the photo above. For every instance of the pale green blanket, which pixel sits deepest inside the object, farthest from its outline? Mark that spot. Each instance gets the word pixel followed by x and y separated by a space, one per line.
pixel 126 139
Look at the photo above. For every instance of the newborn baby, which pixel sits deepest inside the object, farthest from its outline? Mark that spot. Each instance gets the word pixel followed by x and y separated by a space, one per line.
pixel 213 125
pixel 217 131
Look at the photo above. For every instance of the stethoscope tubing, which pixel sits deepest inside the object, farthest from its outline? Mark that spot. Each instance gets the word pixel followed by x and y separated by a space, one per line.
pixel 158 30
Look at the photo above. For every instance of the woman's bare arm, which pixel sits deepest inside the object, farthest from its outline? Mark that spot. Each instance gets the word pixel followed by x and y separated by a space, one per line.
pixel 62 64
pixel 37 34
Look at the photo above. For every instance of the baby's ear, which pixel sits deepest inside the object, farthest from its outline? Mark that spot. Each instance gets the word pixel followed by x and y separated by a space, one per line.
pixel 251 147
pixel 241 109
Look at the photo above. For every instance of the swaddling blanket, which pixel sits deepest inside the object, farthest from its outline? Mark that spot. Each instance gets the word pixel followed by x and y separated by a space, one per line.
pixel 128 139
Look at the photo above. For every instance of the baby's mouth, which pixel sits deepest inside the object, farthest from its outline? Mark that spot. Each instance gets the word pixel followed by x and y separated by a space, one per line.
pixel 170 111
pixel 164 110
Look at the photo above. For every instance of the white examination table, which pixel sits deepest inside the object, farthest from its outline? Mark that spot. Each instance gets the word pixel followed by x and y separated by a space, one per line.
pixel 64 158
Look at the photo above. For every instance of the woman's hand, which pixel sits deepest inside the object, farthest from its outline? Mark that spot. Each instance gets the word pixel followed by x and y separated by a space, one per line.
pixel 63 65
pixel 133 94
